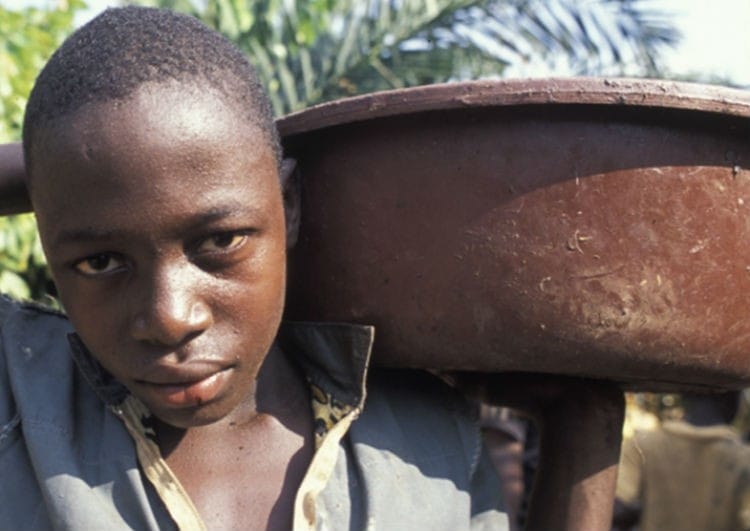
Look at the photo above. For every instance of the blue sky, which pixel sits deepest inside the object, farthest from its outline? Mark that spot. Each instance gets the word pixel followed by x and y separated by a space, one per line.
pixel 716 38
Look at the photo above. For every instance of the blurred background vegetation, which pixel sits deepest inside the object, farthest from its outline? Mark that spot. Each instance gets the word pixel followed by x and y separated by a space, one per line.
pixel 27 39
pixel 310 51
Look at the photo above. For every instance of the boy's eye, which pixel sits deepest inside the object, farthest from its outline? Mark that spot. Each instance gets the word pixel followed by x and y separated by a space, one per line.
pixel 98 264
pixel 225 241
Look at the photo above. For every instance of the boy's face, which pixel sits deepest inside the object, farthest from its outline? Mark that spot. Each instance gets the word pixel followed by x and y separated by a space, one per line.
pixel 163 222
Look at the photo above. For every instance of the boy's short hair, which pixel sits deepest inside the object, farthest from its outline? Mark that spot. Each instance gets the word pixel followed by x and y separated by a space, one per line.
pixel 116 52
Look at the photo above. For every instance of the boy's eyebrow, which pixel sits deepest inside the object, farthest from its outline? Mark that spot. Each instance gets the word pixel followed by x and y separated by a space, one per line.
pixel 90 234
pixel 83 235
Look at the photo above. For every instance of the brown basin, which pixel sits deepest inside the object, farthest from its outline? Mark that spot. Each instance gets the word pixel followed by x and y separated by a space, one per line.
pixel 584 226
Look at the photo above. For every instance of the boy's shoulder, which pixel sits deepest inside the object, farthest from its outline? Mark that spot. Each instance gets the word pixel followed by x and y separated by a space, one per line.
pixel 28 310
pixel 420 390
pixel 419 459
pixel 31 334
pixel 420 417
pixel 34 350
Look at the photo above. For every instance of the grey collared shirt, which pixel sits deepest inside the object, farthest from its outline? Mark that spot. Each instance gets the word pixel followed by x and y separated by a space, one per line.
pixel 411 459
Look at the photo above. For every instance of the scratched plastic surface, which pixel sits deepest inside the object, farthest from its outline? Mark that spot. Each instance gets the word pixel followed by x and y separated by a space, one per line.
pixel 587 227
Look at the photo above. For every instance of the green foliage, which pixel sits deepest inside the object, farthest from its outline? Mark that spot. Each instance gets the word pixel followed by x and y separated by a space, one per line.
pixel 308 51
pixel 27 39
pixel 23 271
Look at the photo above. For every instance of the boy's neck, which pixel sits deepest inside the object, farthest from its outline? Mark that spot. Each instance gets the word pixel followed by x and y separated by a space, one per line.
pixel 280 394
pixel 248 466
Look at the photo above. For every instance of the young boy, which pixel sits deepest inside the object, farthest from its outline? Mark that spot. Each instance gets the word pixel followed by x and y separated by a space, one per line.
pixel 154 169
pixel 170 395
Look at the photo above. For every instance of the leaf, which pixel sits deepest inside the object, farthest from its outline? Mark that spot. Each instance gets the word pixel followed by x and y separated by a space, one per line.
pixel 14 285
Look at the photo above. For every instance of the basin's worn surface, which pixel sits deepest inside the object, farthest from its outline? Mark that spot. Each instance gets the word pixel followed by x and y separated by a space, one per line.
pixel 588 227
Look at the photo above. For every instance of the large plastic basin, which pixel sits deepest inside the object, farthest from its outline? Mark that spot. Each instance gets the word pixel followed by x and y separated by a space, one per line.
pixel 587 227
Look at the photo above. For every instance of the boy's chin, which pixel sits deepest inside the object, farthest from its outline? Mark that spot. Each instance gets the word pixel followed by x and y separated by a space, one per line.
pixel 193 417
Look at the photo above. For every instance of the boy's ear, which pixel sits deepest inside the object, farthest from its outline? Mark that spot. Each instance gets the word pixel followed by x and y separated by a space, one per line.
pixel 292 194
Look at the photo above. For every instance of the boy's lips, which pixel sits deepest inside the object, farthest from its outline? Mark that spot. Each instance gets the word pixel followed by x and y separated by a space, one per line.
pixel 186 389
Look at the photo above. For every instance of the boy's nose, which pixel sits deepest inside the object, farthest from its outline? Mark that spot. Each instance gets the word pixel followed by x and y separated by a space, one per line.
pixel 172 309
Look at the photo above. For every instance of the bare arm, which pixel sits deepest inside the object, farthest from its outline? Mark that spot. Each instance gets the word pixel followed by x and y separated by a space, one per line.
pixel 13 196
pixel 581 425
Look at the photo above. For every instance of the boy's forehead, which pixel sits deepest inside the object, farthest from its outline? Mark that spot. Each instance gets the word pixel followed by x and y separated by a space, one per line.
pixel 156 120
pixel 159 113
pixel 118 144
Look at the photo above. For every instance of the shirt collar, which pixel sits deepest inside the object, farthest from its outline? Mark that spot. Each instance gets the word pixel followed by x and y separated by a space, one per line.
pixel 334 356
pixel 109 390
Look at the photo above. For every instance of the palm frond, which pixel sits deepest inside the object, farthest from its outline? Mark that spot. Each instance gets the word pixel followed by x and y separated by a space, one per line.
pixel 308 51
